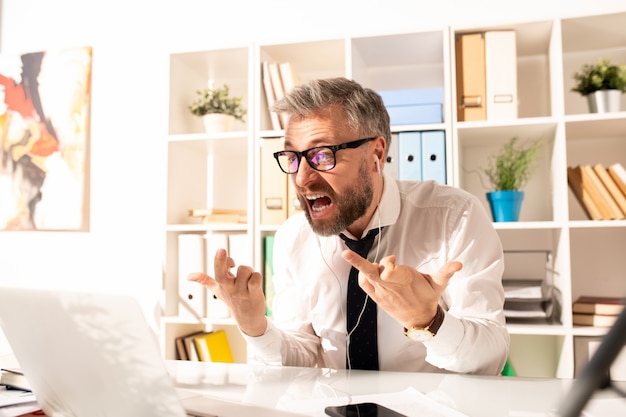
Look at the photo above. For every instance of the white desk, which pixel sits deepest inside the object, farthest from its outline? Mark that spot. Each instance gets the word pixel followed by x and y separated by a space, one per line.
pixel 289 387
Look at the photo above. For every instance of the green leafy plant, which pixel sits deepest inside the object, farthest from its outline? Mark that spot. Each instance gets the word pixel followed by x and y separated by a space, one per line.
pixel 511 167
pixel 218 100
pixel 601 76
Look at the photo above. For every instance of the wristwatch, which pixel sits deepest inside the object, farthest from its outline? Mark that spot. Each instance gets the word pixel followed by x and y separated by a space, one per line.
pixel 424 334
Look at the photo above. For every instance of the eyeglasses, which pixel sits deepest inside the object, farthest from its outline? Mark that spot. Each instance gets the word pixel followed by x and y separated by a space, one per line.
pixel 320 158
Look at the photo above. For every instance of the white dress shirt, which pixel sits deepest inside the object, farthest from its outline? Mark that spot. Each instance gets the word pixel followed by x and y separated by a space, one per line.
pixel 425 225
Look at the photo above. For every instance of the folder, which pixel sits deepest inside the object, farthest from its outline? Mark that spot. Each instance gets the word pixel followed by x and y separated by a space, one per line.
pixel 293 204
pixel 273 184
pixel 215 308
pixel 240 246
pixel 192 296
pixel 410 156
pixel 434 156
pixel 470 76
pixel 268 273
pixel 392 161
pixel 501 74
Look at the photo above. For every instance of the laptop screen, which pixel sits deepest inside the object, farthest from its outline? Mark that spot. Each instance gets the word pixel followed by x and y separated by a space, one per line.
pixel 87 354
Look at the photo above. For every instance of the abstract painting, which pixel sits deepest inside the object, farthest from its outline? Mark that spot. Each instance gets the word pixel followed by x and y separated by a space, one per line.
pixel 44 138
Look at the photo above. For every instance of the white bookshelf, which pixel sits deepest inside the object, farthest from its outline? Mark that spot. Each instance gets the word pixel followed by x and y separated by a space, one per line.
pixel 222 170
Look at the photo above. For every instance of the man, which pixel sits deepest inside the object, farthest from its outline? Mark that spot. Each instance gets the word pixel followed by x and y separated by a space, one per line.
pixel 430 296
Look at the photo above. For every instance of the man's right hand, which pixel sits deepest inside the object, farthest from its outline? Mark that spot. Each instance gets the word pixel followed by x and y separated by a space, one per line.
pixel 242 293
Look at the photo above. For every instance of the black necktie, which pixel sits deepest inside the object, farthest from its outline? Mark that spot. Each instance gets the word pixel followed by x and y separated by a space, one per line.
pixel 362 337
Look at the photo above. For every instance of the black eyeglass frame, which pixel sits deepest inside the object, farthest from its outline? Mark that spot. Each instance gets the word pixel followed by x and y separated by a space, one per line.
pixel 333 148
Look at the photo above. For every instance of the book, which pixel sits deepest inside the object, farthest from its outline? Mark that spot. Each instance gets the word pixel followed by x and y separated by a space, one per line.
pixel 277 86
pixel 214 215
pixel 185 349
pixel 14 378
pixel 614 212
pixel 597 320
pixel 598 305
pixel 288 75
pixel 589 185
pixel 618 173
pixel 190 346
pixel 270 97
pixel 609 183
pixel 213 347
pixel 582 195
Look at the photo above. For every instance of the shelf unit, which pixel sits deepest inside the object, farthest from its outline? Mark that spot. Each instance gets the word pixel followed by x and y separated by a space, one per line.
pixel 222 171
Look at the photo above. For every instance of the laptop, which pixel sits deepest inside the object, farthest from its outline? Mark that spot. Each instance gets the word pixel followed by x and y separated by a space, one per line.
pixel 90 354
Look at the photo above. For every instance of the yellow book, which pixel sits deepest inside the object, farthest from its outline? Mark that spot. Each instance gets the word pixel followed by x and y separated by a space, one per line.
pixel 213 347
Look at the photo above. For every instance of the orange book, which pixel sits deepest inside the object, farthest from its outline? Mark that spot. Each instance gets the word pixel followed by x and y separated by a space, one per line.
pixel 597 320
pixel 612 188
pixel 589 186
pixel 607 306
pixel 607 200
pixel 618 173
pixel 584 198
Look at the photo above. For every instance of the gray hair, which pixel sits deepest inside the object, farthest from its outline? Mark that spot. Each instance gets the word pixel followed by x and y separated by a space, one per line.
pixel 364 108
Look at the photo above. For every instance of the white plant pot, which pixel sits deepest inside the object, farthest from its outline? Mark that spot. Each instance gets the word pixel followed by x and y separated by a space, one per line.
pixel 218 122
pixel 604 101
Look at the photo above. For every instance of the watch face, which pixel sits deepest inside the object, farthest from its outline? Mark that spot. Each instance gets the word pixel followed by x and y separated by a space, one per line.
pixel 419 335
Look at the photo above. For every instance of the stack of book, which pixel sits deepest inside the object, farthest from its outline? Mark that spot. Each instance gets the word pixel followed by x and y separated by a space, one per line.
pixel 601 191
pixel 212 346
pixel 277 79
pixel 596 310
pixel 14 378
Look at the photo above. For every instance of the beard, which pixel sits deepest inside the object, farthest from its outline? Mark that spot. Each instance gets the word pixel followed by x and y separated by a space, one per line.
pixel 350 206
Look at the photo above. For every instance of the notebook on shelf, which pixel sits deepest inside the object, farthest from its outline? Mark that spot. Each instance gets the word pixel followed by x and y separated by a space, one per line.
pixel 94 354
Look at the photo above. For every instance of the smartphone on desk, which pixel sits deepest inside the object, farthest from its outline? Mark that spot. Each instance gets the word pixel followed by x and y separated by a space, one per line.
pixel 361 410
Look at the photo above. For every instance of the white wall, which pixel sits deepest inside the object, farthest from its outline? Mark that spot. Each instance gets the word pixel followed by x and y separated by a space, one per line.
pixel 131 40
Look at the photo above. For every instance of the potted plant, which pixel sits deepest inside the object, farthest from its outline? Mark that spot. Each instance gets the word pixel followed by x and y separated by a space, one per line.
pixel 508 171
pixel 218 109
pixel 602 84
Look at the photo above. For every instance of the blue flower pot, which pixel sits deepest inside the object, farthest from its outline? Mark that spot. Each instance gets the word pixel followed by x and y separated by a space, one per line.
pixel 505 205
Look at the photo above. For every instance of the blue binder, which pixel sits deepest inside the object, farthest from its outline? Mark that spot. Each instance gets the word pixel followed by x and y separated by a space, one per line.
pixel 410 156
pixel 434 156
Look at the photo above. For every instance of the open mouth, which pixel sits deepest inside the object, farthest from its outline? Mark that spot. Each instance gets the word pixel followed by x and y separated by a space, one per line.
pixel 318 202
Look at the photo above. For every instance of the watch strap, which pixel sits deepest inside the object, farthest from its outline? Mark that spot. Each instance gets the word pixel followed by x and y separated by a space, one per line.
pixel 435 324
